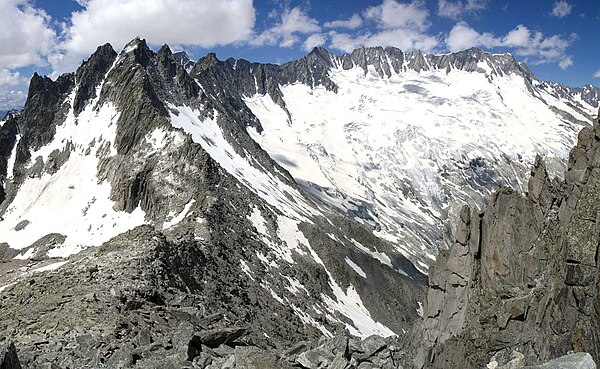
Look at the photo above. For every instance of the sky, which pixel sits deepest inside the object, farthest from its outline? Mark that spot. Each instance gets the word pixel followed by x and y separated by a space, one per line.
pixel 558 39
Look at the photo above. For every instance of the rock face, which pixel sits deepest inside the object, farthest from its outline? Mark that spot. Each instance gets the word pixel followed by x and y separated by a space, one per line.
pixel 523 275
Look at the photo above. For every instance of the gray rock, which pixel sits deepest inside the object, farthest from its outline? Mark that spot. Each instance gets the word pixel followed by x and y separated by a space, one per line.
pixel 316 358
pixel 216 337
pixel 580 360
pixel 8 357
pixel 255 358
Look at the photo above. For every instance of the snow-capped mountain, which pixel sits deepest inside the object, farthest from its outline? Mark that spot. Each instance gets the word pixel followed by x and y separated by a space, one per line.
pixel 133 150
pixel 401 141
pixel 290 199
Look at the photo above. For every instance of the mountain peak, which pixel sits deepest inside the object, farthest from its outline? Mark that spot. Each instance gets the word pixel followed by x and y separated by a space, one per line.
pixel 90 73
pixel 142 54
pixel 320 51
pixel 165 49
pixel 207 61
pixel 183 58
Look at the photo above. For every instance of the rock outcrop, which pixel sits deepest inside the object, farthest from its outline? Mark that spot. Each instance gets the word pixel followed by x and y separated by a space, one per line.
pixel 523 275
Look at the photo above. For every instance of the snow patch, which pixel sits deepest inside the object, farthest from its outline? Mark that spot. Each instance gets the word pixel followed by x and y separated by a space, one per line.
pixel 157 139
pixel 382 257
pixel 246 269
pixel 258 221
pixel 11 160
pixel 26 255
pixel 50 267
pixel 350 305
pixel 288 232
pixel 356 268
pixel 294 285
pixel 273 294
pixel 307 319
pixel 176 219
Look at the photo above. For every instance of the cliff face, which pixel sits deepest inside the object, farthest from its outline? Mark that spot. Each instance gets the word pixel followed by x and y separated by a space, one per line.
pixel 520 282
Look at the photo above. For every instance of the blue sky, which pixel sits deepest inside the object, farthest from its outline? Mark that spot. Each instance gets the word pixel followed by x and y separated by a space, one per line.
pixel 558 39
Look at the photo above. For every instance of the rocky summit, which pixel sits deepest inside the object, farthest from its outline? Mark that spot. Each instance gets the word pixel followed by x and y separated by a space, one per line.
pixel 157 212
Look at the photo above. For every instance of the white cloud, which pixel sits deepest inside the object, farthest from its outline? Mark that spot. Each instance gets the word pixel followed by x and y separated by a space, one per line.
pixel 561 8
pixel 9 78
pixel 11 99
pixel 597 74
pixel 458 9
pixel 351 23
pixel 401 38
pixel 392 14
pixel 285 33
pixel 399 24
pixel 523 42
pixel 204 23
pixel 565 62
pixel 314 40
pixel 25 34
pixel 462 36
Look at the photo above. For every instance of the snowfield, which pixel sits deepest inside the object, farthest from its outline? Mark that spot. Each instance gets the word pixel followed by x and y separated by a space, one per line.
pixel 403 153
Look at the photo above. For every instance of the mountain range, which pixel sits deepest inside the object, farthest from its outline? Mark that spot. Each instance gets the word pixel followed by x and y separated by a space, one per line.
pixel 160 212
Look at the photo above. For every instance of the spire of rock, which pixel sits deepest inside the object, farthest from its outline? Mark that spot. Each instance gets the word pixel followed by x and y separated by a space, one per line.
pixel 91 73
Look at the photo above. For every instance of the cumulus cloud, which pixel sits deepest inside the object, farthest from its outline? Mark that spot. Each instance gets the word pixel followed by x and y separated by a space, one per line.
pixel 561 8
pixel 523 42
pixel 565 62
pixel 285 33
pixel 400 24
pixel 401 38
pixel 353 22
pixel 204 23
pixel 462 36
pixel 458 9
pixel 11 86
pixel 25 34
pixel 314 40
pixel 392 14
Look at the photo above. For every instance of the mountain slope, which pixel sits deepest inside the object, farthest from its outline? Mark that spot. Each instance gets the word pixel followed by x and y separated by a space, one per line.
pixel 133 142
